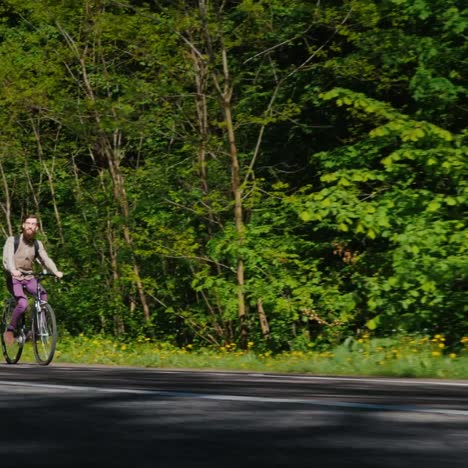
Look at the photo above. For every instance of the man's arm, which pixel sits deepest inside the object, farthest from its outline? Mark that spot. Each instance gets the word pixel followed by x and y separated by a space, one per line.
pixel 8 257
pixel 47 261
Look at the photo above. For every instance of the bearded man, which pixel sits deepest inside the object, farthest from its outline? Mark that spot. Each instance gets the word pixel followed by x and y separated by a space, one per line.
pixel 19 255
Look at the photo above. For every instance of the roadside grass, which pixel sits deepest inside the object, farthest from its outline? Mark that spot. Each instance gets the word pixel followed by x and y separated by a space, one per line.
pixel 403 356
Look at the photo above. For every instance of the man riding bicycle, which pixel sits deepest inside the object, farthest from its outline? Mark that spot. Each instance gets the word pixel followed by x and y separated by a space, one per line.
pixel 19 254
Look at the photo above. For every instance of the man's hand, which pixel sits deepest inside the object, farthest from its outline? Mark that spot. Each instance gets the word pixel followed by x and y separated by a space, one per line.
pixel 59 274
pixel 16 273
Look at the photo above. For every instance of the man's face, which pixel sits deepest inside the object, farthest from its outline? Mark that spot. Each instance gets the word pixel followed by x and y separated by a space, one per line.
pixel 30 227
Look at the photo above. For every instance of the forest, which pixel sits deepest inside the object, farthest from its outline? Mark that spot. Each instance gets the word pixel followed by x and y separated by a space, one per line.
pixel 276 172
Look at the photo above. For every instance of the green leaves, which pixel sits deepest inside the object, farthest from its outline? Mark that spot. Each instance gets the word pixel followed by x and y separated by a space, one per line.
pixel 348 119
pixel 406 205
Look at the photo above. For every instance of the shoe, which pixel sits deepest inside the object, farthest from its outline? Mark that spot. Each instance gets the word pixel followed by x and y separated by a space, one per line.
pixel 9 338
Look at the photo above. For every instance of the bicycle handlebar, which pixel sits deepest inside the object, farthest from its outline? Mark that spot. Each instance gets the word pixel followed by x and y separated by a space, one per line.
pixel 45 273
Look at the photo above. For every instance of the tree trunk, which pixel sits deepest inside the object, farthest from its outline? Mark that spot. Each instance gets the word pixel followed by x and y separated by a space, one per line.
pixel 110 149
pixel 236 188
pixel 201 80
pixel 120 194
pixel 223 85
pixel 263 320
pixel 6 207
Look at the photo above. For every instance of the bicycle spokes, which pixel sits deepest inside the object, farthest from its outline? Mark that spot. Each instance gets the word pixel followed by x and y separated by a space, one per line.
pixel 44 334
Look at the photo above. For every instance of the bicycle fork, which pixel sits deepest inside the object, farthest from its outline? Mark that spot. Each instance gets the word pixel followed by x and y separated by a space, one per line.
pixel 41 320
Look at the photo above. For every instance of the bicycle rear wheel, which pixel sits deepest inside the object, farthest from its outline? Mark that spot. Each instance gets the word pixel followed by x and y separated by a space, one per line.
pixel 12 353
pixel 44 334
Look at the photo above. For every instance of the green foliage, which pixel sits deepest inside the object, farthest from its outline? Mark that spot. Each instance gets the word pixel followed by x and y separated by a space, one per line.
pixel 406 212
pixel 349 125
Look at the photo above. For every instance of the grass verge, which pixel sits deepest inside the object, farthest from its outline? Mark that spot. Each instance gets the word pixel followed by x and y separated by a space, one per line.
pixel 404 356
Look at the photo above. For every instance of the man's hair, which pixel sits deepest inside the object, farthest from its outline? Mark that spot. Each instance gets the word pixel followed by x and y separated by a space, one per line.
pixel 28 216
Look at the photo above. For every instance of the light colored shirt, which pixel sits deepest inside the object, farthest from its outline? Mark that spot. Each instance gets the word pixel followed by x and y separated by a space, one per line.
pixel 24 257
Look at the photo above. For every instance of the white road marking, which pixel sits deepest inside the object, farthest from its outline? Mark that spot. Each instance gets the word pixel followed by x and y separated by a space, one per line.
pixel 384 380
pixel 243 398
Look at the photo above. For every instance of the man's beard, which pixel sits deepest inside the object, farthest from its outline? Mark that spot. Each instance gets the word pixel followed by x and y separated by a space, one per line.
pixel 28 234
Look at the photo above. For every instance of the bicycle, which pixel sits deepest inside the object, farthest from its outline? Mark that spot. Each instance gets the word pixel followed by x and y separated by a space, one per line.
pixel 42 330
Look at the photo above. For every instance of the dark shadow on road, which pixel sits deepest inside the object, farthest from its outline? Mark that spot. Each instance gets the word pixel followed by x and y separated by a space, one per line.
pixel 84 429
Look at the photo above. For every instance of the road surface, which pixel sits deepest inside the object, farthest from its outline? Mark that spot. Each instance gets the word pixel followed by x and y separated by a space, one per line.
pixel 123 417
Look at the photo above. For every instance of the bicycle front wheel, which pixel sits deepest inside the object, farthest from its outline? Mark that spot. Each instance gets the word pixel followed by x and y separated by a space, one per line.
pixel 44 334
pixel 12 353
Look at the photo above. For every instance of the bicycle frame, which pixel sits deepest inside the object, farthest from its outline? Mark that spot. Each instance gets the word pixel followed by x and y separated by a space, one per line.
pixel 36 308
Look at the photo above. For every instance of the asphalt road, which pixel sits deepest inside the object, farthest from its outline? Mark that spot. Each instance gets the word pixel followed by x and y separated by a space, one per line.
pixel 99 416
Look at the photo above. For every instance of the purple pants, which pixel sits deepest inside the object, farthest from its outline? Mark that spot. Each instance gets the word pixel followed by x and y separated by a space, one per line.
pixel 20 287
